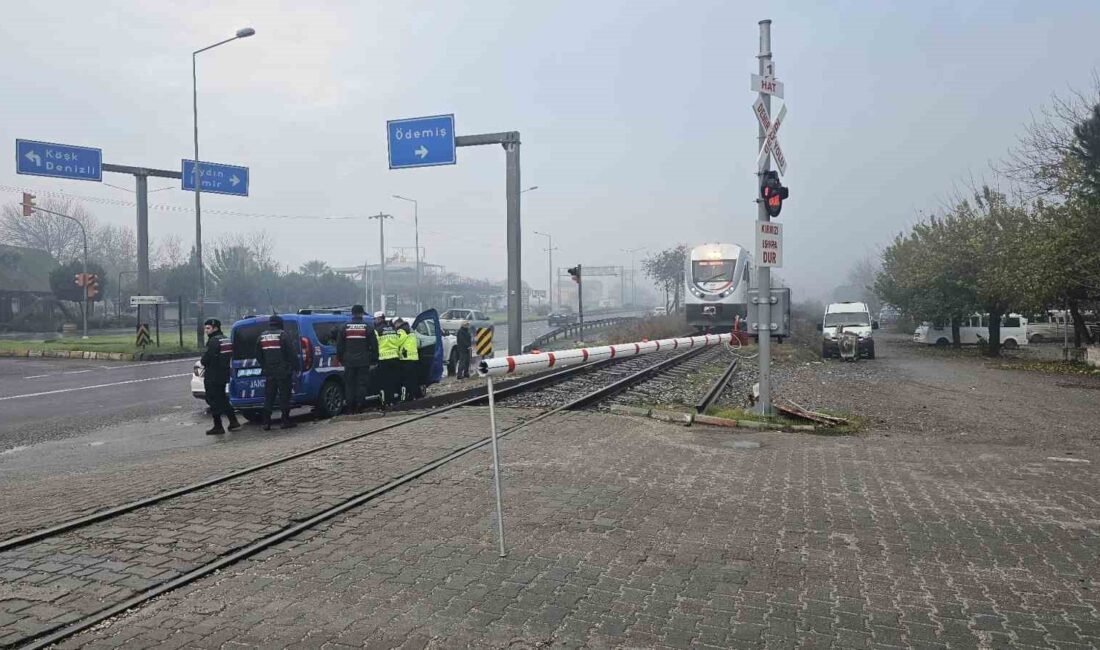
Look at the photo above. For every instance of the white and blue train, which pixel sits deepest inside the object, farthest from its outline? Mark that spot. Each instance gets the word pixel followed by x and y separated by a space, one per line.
pixel 717 292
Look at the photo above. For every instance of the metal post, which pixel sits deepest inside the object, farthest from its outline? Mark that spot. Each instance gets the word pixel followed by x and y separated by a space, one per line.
pixel 515 285
pixel 416 234
pixel 496 465
pixel 580 296
pixel 179 317
pixel 763 273
pixel 142 182
pixel 84 233
pixel 200 308
pixel 382 254
pixel 156 319
pixel 366 289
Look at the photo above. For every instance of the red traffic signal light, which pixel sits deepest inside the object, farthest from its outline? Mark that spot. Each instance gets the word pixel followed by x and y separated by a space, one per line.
pixel 28 204
pixel 575 273
pixel 773 193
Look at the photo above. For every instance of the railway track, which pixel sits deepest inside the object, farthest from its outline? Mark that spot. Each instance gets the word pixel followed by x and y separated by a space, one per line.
pixel 145 548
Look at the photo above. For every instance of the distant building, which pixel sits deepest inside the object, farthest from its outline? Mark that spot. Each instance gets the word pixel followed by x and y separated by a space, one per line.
pixel 24 279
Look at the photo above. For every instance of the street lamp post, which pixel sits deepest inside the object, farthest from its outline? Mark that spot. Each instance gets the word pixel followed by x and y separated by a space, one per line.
pixel 633 277
pixel 549 267
pixel 416 230
pixel 199 306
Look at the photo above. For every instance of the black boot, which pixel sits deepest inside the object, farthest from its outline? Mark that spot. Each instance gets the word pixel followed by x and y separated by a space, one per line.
pixel 288 423
pixel 217 430
pixel 234 423
pixel 267 422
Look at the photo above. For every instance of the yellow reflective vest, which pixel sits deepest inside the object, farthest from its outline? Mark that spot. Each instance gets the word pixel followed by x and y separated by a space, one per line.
pixel 389 343
pixel 410 346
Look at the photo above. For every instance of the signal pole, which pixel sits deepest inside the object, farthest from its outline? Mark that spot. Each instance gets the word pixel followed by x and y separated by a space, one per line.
pixel 764 273
pixel 28 206
pixel 382 252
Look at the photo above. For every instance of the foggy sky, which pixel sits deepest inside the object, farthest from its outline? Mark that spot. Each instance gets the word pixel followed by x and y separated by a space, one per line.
pixel 635 116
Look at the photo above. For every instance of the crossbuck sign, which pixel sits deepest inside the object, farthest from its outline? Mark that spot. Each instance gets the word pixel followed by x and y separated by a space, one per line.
pixel 771 139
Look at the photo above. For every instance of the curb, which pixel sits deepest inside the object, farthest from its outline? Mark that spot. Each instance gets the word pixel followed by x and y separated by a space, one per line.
pixel 688 419
pixel 90 354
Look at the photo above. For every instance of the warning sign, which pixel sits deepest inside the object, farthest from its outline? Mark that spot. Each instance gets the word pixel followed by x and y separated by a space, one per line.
pixel 143 335
pixel 769 244
pixel 483 342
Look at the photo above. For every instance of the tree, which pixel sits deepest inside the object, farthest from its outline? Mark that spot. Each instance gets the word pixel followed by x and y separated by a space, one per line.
pixel 666 269
pixel 58 236
pixel 314 268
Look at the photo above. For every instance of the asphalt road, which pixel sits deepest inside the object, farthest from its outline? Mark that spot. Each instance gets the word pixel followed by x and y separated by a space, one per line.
pixel 48 399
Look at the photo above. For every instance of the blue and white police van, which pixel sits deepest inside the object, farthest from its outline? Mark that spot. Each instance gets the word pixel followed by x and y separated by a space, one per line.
pixel 320 383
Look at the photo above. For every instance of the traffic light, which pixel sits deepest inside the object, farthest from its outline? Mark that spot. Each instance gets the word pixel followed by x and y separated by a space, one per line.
pixel 91 288
pixel 81 279
pixel 575 272
pixel 773 193
pixel 28 204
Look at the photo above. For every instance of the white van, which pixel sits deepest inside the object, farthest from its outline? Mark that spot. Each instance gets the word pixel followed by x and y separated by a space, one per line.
pixel 853 317
pixel 1013 331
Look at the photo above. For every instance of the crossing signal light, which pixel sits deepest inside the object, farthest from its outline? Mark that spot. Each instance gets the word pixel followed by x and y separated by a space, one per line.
pixel 91 287
pixel 575 272
pixel 773 193
pixel 81 279
pixel 28 204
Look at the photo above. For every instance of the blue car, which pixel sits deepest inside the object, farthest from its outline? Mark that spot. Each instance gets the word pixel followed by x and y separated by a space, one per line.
pixel 320 383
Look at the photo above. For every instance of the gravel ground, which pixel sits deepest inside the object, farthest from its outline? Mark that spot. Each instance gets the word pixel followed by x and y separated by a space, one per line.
pixel 680 387
pixel 915 391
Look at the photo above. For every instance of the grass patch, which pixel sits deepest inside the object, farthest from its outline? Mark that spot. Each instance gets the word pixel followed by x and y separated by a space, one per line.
pixel 651 328
pixel 1052 367
pixel 737 413
pixel 110 343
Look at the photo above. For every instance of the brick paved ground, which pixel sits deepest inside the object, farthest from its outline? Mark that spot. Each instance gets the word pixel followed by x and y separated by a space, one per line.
pixel 626 532
pixel 59 579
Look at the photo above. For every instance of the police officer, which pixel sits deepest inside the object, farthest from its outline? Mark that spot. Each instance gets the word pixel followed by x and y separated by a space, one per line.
pixel 356 350
pixel 389 362
pixel 463 341
pixel 215 361
pixel 277 358
pixel 410 362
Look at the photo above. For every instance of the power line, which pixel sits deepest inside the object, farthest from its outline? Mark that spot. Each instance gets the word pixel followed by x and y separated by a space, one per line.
pixel 176 208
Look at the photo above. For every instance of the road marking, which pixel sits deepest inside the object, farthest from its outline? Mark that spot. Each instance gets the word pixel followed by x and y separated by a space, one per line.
pixel 117 383
pixel 130 365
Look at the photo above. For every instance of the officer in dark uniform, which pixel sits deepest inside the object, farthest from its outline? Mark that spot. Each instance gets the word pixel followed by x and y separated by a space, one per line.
pixel 276 356
pixel 357 351
pixel 215 362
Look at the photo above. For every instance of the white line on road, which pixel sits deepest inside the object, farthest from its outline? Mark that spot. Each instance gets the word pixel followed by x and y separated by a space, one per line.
pixel 70 390
pixel 129 365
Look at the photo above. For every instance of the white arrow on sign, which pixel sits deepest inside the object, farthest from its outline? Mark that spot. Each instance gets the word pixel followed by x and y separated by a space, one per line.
pixel 34 158
pixel 234 180
pixel 769 85
pixel 771 141
pixel 422 152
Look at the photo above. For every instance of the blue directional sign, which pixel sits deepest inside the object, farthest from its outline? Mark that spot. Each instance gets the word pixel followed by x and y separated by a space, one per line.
pixel 58 160
pixel 216 178
pixel 421 141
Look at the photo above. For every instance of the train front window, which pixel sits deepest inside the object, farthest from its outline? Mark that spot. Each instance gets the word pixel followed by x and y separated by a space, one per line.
pixel 704 271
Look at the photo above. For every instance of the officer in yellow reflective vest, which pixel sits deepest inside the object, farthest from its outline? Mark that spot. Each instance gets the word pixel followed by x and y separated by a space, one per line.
pixel 410 362
pixel 389 363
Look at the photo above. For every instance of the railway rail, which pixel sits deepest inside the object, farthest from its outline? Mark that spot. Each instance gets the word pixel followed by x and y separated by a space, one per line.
pixel 121 528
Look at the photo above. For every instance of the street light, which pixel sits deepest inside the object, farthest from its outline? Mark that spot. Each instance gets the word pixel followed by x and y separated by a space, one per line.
pixel 244 32
pixel 633 277
pixel 549 251
pixel 416 229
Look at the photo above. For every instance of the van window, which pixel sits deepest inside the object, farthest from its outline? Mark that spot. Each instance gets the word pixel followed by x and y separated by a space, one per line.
pixel 327 331
pixel 975 321
pixel 245 336
pixel 1011 321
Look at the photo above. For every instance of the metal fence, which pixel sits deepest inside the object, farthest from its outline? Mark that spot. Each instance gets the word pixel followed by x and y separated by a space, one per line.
pixel 576 328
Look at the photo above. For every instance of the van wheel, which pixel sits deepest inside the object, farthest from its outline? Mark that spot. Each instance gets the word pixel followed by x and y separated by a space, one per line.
pixel 824 351
pixel 330 401
pixel 871 351
pixel 1010 344
pixel 1037 338
pixel 255 416
pixel 942 342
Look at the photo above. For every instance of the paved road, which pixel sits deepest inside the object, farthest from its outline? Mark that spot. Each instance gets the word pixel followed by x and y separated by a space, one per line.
pixel 44 399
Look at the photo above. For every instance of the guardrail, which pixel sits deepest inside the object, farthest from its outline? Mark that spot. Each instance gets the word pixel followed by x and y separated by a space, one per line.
pixel 576 328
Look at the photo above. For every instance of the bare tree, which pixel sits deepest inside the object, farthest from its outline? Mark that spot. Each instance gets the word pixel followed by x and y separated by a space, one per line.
pixel 167 252
pixel 57 236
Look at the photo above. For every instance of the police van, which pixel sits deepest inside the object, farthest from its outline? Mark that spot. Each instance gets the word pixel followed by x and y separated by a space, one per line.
pixel 320 383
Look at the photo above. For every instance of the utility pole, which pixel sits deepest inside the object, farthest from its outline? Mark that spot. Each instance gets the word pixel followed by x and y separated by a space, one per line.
pixel 633 280
pixel 382 253
pixel 764 273
pixel 549 266
pixel 416 234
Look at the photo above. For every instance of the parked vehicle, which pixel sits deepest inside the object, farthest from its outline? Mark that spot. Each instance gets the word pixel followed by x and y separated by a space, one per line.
pixel 1054 325
pixel 561 317
pixel 976 327
pixel 849 317
pixel 320 383
pixel 452 319
pixel 198 390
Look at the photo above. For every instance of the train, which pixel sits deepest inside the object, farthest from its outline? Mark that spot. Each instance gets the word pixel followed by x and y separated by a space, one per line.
pixel 717 292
